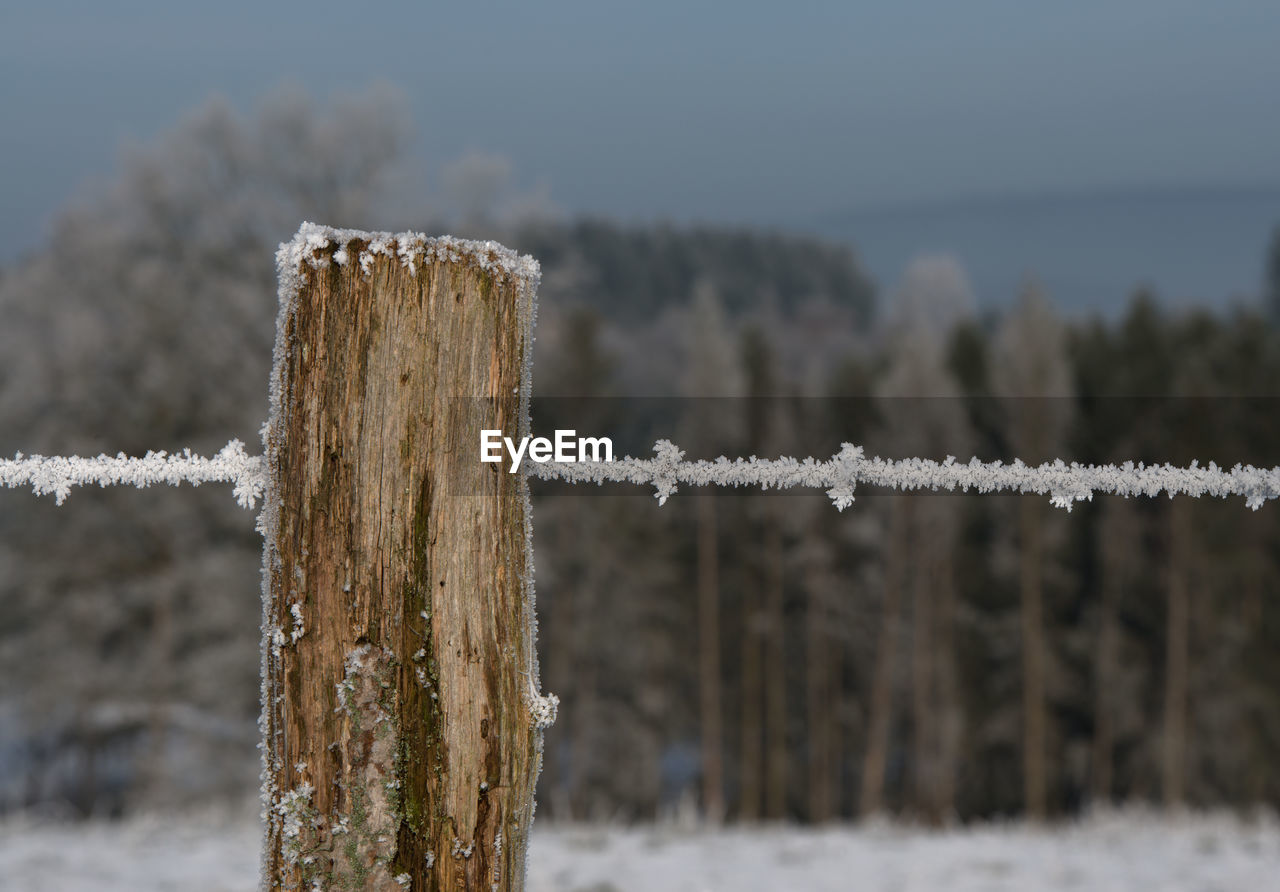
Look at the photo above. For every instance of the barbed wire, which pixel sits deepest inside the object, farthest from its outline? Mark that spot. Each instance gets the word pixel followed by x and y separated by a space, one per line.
pixel 56 475
pixel 1064 483
pixel 839 476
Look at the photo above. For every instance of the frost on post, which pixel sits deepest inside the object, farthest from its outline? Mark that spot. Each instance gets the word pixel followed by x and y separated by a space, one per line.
pixel 397 658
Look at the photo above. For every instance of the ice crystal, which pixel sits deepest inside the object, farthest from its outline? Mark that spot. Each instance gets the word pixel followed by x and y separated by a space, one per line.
pixel 294 810
pixel 542 709
pixel 295 609
pixel 312 243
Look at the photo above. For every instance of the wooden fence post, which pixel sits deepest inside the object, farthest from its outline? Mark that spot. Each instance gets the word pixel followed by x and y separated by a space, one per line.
pixel 401 719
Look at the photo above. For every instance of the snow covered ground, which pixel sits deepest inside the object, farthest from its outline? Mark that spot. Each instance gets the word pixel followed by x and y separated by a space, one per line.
pixel 1120 851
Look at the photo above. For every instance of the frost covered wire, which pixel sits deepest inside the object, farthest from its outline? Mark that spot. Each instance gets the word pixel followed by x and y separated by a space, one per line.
pixel 1064 483
pixel 57 474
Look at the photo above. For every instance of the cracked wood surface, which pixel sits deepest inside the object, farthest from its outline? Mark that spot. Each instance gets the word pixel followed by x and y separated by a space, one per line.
pixel 401 673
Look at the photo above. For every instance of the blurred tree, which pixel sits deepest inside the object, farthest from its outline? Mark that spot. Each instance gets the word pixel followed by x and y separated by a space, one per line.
pixel 473 185
pixel 934 296
pixel 880 708
pixel 924 418
pixel 573 369
pixel 710 372
pixel 1188 387
pixel 146 323
pixel 1033 374
pixel 759 375
pixel 1271 278
pixel 1120 546
pixel 638 272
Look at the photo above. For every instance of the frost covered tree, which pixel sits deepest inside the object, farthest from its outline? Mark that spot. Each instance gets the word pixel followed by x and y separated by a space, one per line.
pixel 592 594
pixel 924 418
pixel 1271 278
pixel 1118 542
pixel 758 627
pixel 146 323
pixel 1033 376
pixel 710 375
pixel 934 297
pixel 1176 716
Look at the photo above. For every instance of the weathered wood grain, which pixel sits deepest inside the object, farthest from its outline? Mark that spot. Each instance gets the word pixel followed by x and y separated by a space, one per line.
pixel 399 728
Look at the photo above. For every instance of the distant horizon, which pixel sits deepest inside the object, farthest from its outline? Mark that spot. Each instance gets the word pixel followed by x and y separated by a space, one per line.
pixel 1102 191
pixel 1191 244
pixel 755 116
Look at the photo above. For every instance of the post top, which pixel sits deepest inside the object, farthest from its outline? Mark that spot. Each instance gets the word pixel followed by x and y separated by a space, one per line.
pixel 318 246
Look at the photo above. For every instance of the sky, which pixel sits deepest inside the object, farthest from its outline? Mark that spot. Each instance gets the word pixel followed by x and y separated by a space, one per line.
pixel 744 112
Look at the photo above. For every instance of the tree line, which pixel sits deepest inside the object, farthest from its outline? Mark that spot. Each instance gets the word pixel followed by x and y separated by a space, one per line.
pixel 942 657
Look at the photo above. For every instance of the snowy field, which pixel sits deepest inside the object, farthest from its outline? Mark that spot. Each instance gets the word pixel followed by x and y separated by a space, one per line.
pixel 1123 851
